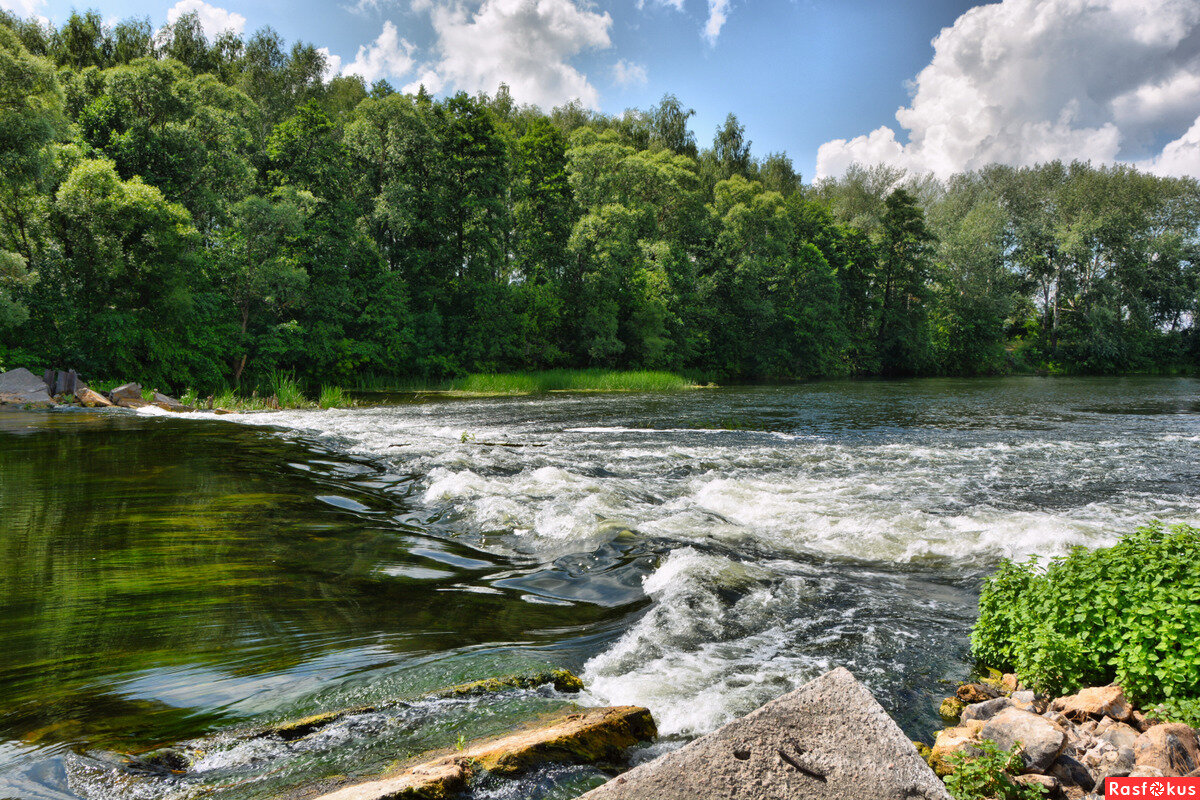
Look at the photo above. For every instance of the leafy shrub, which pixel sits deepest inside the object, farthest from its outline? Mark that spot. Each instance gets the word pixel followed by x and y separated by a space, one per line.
pixel 986 775
pixel 1185 710
pixel 1128 613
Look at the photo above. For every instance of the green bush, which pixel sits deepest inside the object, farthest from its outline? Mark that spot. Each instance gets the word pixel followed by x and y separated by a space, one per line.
pixel 333 397
pixel 1128 613
pixel 986 775
pixel 1185 710
pixel 286 389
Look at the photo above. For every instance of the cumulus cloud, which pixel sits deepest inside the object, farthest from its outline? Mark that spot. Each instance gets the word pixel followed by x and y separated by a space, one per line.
pixel 389 55
pixel 213 20
pixel 1023 81
pixel 627 73
pixel 718 12
pixel 526 44
pixel 333 62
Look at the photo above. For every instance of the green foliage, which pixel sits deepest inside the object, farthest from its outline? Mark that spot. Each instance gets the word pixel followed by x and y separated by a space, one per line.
pixel 1129 613
pixel 985 775
pixel 1178 709
pixel 333 397
pixel 286 389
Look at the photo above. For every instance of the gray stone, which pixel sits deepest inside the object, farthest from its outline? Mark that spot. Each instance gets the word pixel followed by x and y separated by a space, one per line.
pixel 20 387
pixel 1072 773
pixel 985 710
pixel 168 403
pixel 1120 735
pixel 827 739
pixel 128 391
pixel 1027 701
pixel 1171 748
pixel 1041 740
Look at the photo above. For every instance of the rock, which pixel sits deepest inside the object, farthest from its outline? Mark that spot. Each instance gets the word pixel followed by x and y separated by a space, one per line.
pixel 827 739
pixel 128 391
pixel 951 708
pixel 67 383
pixel 985 710
pixel 90 399
pixel 1041 740
pixel 1141 722
pixel 293 729
pixel 1097 701
pixel 1049 782
pixel 971 693
pixel 1072 773
pixel 596 735
pixel 1027 701
pixel 20 387
pixel 220 411
pixel 129 402
pixel 1171 748
pixel 1009 682
pixel 167 403
pixel 1145 771
pixel 433 781
pixel 1120 735
pixel 562 680
pixel 950 741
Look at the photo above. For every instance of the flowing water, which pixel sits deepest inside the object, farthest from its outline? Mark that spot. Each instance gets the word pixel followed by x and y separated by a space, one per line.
pixel 184 579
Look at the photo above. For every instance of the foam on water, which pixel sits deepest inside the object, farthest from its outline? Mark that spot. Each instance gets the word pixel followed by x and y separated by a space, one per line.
pixel 819 540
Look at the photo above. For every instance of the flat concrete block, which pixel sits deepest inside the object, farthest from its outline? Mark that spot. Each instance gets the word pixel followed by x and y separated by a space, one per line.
pixel 828 740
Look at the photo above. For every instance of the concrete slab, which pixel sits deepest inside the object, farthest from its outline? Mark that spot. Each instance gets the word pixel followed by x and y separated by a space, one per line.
pixel 828 739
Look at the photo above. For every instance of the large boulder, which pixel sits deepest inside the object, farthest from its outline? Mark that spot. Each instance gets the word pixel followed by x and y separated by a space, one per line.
pixel 985 710
pixel 1041 740
pixel 1097 701
pixel 1170 748
pixel 91 399
pixel 127 391
pixel 167 403
pixel 827 739
pixel 20 387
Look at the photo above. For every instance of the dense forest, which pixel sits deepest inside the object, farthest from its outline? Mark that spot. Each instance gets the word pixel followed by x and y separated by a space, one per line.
pixel 205 213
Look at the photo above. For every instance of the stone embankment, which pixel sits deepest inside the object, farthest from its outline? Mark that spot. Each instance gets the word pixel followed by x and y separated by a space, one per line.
pixel 1069 745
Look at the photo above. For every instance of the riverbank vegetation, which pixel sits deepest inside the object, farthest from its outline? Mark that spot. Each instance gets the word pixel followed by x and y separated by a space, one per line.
pixel 1127 614
pixel 196 213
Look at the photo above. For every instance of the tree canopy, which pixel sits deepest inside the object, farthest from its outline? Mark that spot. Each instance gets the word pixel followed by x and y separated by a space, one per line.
pixel 196 212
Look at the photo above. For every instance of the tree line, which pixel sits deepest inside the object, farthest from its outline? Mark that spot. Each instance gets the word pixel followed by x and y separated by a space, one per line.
pixel 195 212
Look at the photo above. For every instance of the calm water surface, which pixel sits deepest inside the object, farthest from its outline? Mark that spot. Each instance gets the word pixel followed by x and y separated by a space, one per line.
pixel 179 579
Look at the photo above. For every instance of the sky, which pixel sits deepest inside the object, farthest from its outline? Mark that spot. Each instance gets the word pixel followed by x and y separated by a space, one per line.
pixel 939 86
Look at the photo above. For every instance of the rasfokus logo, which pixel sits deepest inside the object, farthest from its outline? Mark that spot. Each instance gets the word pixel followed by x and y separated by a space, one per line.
pixel 1152 787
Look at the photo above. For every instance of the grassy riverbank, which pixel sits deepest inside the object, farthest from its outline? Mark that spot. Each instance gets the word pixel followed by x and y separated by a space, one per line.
pixel 541 382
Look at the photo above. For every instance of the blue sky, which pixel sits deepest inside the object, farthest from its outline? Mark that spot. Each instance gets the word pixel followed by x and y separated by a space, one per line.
pixel 829 81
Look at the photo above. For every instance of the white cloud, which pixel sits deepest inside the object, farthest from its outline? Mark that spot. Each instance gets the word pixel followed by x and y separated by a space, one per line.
pixel 1180 157
pixel 213 20
pixel 1022 81
pixel 388 56
pixel 627 73
pixel 526 44
pixel 333 63
pixel 23 8
pixel 718 12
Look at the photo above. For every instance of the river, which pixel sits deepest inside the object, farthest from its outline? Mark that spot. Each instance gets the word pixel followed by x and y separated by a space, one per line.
pixel 176 578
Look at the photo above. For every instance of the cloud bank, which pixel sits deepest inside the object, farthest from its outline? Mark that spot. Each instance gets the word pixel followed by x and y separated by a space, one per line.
pixel 527 44
pixel 213 20
pixel 1023 81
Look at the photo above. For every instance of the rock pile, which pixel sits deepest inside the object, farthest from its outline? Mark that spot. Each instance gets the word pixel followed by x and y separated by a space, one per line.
pixel 21 389
pixel 1068 745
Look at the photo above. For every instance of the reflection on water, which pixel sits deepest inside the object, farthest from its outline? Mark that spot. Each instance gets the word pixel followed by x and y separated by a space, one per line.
pixel 165 579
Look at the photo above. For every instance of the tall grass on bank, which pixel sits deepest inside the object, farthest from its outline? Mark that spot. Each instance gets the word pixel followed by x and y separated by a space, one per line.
pixel 333 397
pixel 570 380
